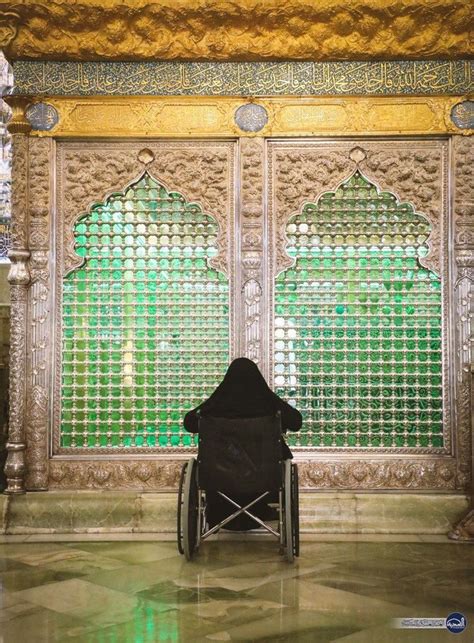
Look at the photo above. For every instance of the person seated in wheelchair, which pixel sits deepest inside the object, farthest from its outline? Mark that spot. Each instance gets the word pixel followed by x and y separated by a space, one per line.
pixel 243 393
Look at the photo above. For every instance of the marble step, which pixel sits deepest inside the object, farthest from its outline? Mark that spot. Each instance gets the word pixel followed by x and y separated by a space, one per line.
pixel 55 512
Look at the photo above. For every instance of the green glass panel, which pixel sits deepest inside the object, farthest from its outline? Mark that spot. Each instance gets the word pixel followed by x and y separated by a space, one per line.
pixel 357 339
pixel 140 347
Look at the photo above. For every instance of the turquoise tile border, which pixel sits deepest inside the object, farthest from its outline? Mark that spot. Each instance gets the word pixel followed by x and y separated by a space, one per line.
pixel 245 79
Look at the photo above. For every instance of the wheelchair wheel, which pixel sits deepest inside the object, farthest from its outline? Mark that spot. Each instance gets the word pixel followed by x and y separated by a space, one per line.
pixel 179 530
pixel 288 513
pixel 295 510
pixel 189 517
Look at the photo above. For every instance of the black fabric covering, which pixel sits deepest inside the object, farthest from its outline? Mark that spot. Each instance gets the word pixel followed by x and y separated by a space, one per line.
pixel 240 456
pixel 244 393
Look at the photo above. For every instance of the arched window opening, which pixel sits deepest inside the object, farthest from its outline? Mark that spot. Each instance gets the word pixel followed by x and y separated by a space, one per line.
pixel 357 340
pixel 145 321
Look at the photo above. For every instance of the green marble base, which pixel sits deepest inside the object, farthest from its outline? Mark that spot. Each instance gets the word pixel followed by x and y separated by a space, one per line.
pixel 72 512
pixel 380 513
pixel 3 513
pixel 108 512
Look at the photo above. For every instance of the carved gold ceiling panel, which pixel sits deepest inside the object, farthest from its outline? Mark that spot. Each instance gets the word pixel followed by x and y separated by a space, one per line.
pixel 235 31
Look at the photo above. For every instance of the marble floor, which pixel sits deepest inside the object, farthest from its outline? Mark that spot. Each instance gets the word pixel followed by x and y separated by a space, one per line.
pixel 143 592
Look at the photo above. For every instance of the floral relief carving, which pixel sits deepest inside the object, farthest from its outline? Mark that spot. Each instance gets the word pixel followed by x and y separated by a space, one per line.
pixel 36 439
pixel 88 176
pixel 251 238
pixel 148 474
pixel 413 175
pixel 464 176
pixel 253 312
pixel 464 426
pixel 39 363
pixel 19 278
pixel 223 30
pixel 19 194
pixel 39 370
pixel 465 212
pixel 464 263
pixel 465 235
pixel 39 191
pixel 39 272
pixel 252 151
pixel 200 173
pixel 394 474
pixel 464 195
pixel 203 176
pixel 301 175
pixel 15 464
pixel 18 296
pixel 464 245
pixel 156 474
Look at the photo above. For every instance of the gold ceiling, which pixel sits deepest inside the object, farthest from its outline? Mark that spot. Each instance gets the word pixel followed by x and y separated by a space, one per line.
pixel 239 30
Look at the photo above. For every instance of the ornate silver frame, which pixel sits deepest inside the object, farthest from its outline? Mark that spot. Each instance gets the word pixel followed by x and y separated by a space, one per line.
pixel 66 260
pixel 39 194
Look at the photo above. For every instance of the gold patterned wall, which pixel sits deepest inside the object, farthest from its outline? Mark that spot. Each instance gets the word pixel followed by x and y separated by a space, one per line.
pixel 217 116
pixel 223 30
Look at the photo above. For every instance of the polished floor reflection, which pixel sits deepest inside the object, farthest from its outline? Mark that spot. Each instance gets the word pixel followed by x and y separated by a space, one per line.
pixel 142 592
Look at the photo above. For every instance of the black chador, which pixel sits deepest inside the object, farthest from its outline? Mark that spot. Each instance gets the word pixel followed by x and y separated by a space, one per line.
pixel 243 393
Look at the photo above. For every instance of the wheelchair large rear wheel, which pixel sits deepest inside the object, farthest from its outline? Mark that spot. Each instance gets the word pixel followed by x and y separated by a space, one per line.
pixel 288 512
pixel 179 526
pixel 295 510
pixel 189 518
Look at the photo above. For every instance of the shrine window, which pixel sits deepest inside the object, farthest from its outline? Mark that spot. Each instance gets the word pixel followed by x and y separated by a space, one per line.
pixel 358 323
pixel 145 321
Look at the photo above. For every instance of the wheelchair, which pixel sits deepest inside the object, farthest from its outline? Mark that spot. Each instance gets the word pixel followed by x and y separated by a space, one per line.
pixel 235 457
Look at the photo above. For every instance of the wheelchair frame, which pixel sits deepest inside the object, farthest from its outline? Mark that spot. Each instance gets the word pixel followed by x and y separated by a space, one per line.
pixel 192 526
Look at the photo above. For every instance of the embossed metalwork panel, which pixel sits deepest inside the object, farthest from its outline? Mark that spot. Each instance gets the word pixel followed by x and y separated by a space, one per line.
pixel 298 172
pixel 360 330
pixel 358 323
pixel 272 30
pixel 462 114
pixel 143 315
pixel 57 180
pixel 219 116
pixel 42 116
pixel 4 238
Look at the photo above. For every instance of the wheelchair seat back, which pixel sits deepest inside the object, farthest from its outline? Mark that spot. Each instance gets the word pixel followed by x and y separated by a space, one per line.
pixel 241 455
